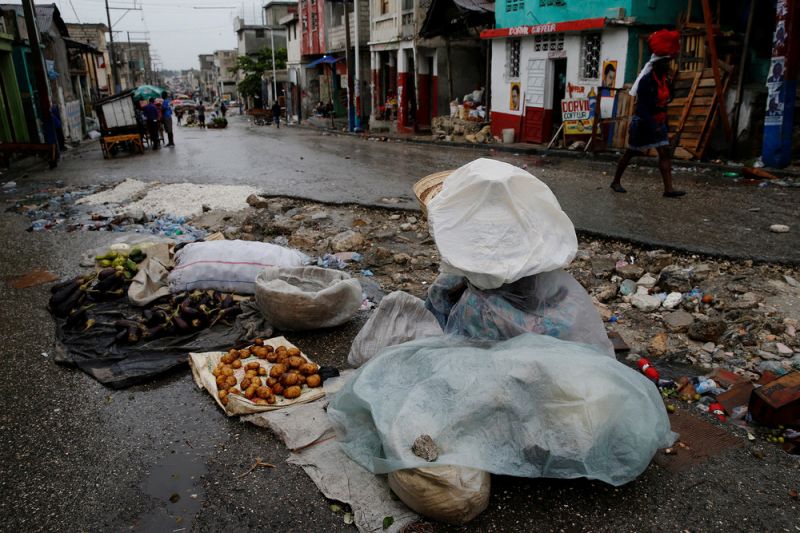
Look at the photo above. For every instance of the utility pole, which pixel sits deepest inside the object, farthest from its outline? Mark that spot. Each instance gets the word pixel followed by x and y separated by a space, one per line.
pixel 357 73
pixel 42 86
pixel 349 67
pixel 114 73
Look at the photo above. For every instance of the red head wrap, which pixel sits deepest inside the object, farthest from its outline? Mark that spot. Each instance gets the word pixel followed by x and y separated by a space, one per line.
pixel 665 42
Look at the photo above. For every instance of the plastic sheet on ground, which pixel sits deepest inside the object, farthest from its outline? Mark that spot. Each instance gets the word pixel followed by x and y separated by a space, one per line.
pixel 119 365
pixel 532 406
pixel 550 303
pixel 306 431
pixel 495 223
pixel 400 317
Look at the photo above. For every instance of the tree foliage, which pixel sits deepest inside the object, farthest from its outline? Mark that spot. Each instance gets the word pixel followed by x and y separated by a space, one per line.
pixel 254 66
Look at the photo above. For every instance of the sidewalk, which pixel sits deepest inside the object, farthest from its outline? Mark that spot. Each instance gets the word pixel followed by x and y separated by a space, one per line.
pixel 541 150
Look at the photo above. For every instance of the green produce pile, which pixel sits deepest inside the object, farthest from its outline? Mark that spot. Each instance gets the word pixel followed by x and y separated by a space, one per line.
pixel 127 264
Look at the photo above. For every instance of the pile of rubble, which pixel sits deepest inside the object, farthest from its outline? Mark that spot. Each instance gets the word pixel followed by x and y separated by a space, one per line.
pixel 456 129
pixel 677 308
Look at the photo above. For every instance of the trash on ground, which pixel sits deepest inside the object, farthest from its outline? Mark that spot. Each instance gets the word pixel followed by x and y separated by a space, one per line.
pixel 31 279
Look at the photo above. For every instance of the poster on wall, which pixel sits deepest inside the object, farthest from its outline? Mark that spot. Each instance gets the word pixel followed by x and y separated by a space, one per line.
pixel 73 121
pixel 576 114
pixel 609 76
pixel 513 100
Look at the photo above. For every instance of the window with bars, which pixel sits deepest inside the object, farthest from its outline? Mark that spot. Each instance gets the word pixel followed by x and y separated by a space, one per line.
pixel 548 42
pixel 408 5
pixel 314 21
pixel 590 56
pixel 548 3
pixel 512 59
pixel 512 6
pixel 384 6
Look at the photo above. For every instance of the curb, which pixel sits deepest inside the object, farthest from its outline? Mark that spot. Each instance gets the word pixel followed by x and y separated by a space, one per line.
pixel 535 150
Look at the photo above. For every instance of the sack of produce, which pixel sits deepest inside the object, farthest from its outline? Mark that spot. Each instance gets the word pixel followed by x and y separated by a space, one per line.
pixel 450 494
pixel 550 303
pixel 230 266
pixel 399 318
pixel 532 406
pixel 495 223
pixel 302 298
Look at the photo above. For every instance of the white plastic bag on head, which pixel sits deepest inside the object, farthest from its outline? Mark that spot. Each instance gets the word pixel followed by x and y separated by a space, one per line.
pixel 399 318
pixel 450 494
pixel 303 298
pixel 495 223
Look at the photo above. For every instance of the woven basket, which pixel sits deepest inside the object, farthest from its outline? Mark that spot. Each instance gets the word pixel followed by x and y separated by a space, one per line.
pixel 428 187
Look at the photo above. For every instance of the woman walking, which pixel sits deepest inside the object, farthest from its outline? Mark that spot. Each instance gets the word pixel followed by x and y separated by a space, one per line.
pixel 648 127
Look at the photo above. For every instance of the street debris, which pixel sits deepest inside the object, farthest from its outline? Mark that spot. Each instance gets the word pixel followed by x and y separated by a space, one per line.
pixel 32 279
pixel 706 334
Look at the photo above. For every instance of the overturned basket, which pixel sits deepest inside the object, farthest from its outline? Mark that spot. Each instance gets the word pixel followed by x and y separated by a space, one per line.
pixel 428 187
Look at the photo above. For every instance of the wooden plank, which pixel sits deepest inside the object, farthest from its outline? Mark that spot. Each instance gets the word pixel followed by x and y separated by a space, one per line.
pixel 712 47
pixel 703 145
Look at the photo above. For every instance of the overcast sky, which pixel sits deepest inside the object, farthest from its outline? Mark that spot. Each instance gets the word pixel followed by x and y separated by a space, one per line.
pixel 177 31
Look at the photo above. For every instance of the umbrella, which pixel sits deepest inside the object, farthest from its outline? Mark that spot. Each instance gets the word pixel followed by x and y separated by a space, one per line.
pixel 145 92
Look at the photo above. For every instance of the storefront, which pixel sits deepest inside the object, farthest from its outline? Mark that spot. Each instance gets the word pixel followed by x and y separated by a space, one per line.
pixel 534 68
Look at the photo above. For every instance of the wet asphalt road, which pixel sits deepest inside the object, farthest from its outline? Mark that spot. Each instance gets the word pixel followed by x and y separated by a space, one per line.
pixel 718 216
pixel 162 457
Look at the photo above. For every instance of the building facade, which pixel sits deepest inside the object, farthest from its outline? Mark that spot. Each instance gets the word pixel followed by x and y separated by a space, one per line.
pixel 205 81
pixel 94 35
pixel 545 51
pixel 225 78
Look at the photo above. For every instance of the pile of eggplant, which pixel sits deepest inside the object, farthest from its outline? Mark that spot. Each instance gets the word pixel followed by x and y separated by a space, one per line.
pixel 73 298
pixel 181 313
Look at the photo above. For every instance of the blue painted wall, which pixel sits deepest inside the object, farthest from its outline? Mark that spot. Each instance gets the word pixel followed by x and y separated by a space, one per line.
pixel 510 13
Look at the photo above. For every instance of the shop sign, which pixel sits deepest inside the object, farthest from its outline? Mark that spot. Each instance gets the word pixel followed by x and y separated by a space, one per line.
pixel 576 114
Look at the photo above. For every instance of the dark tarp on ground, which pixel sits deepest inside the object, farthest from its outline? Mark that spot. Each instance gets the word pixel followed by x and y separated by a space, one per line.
pixel 119 365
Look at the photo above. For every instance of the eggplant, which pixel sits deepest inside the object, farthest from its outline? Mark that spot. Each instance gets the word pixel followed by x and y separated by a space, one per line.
pixel 180 323
pixel 110 282
pixel 122 335
pixel 62 310
pixel 133 334
pixel 227 302
pixel 155 331
pixel 197 323
pixel 66 283
pixel 64 293
pixel 106 272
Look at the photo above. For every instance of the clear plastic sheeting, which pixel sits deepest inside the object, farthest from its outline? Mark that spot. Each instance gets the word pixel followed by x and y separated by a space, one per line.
pixel 550 303
pixel 495 223
pixel 532 406
pixel 399 318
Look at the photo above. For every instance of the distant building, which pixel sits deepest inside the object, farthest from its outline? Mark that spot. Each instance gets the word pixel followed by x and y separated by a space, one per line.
pixel 206 84
pixel 134 64
pixel 225 79
pixel 94 35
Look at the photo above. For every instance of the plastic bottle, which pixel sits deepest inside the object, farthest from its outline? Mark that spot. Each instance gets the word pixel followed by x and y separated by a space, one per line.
pixel 705 386
pixel 646 368
pixel 717 410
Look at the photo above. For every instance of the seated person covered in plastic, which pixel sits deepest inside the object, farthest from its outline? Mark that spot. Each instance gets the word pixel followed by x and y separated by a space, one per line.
pixel 551 303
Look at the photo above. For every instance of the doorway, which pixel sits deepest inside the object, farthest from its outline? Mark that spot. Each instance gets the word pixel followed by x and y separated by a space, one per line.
pixel 559 89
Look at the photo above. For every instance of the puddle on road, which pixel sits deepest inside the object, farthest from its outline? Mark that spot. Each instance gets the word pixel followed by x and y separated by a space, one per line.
pixel 176 486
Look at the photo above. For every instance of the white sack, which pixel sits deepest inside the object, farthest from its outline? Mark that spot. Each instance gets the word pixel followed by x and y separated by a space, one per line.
pixel 450 494
pixel 229 266
pixel 495 223
pixel 303 298
pixel 400 317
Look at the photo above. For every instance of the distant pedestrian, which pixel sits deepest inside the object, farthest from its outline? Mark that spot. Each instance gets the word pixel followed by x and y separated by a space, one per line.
pixel 648 127
pixel 276 114
pixel 150 112
pixel 166 117
pixel 201 115
pixel 179 116
pixel 223 108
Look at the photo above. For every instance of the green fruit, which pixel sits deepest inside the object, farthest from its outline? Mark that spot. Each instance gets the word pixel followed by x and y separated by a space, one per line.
pixel 105 263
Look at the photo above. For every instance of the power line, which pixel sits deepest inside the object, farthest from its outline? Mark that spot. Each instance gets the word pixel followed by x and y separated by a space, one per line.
pixel 74 12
